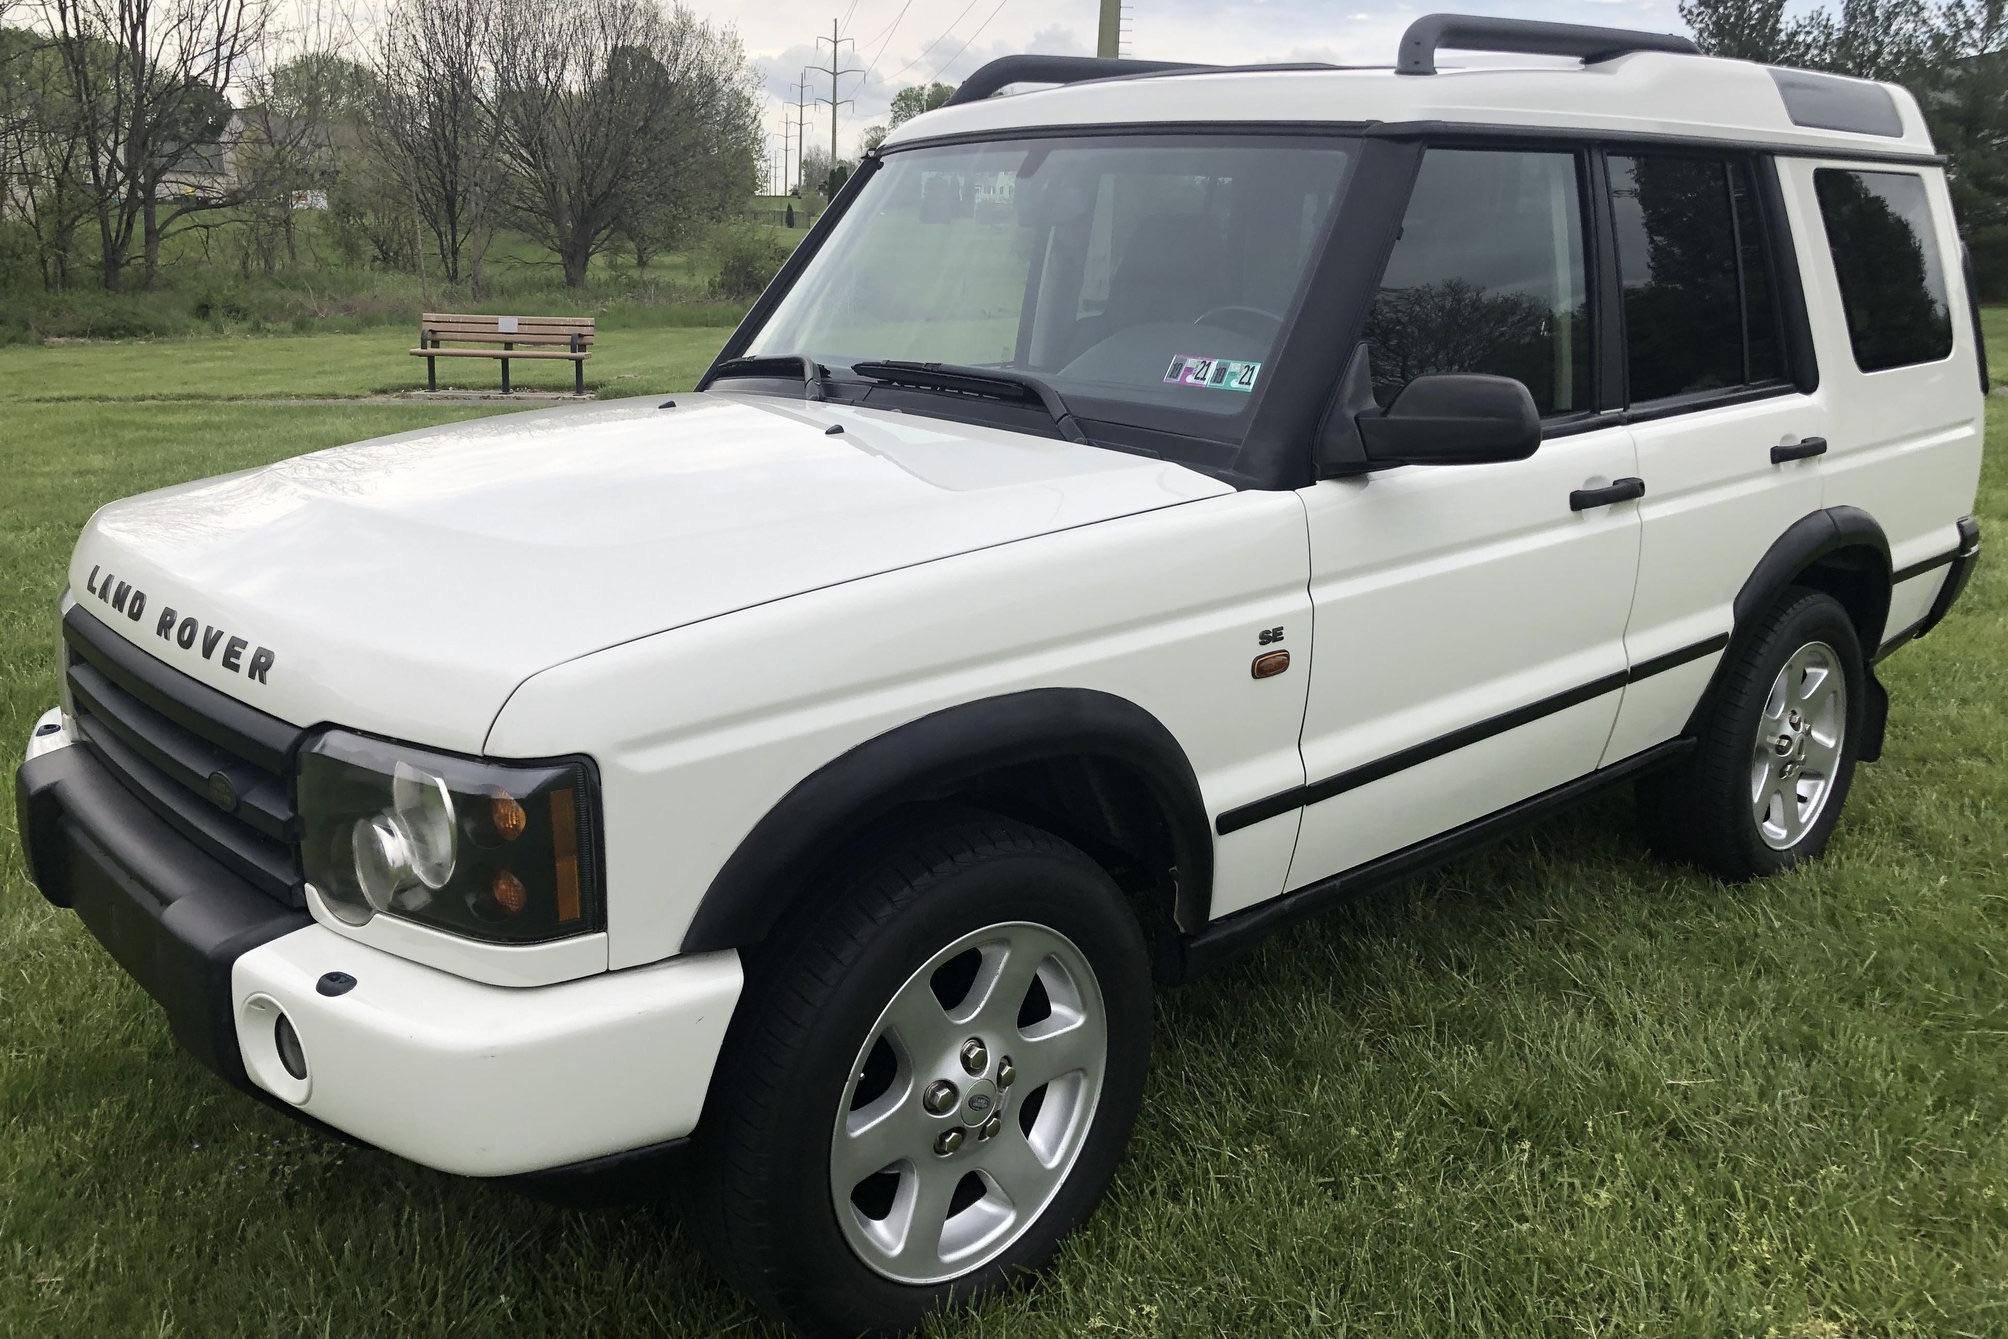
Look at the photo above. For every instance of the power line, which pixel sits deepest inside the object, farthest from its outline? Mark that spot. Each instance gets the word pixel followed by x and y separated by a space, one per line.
pixel 885 41
pixel 972 37
pixel 935 43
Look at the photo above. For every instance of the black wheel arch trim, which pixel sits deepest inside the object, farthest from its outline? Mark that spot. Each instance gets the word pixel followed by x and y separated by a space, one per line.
pixel 932 755
pixel 1806 542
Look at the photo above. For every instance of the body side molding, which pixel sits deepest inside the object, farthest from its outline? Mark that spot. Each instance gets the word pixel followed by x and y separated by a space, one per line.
pixel 931 756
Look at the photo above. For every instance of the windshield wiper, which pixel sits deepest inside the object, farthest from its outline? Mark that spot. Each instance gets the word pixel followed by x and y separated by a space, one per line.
pixel 988 383
pixel 778 366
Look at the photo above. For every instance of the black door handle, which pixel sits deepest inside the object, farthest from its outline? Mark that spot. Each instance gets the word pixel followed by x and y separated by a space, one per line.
pixel 1624 490
pixel 1804 449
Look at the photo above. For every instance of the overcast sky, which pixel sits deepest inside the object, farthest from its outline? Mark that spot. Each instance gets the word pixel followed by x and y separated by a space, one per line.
pixel 894 43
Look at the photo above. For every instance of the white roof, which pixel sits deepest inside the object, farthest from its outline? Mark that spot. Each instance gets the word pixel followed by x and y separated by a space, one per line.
pixel 1653 93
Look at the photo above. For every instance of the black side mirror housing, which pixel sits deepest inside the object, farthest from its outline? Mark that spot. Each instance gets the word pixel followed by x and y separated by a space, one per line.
pixel 1461 419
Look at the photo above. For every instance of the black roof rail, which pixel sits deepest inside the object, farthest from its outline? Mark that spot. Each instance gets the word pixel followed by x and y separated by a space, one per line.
pixel 1529 37
pixel 1005 71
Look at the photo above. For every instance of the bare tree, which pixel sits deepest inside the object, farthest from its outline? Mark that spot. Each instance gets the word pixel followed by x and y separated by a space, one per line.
pixel 585 90
pixel 149 83
pixel 42 183
pixel 433 122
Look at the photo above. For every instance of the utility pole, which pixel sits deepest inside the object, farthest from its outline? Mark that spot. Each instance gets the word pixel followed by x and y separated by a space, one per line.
pixel 1108 42
pixel 835 68
pixel 801 87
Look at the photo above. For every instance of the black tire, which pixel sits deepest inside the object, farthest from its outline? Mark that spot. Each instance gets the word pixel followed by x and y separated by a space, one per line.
pixel 1702 811
pixel 762 1205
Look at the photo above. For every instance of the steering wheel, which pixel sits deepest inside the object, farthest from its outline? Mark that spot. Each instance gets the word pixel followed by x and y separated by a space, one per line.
pixel 1238 319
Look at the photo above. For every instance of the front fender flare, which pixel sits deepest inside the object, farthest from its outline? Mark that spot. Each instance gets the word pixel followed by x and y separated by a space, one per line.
pixel 930 756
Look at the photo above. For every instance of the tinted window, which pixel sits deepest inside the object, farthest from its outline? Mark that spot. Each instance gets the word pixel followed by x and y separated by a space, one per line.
pixel 1886 257
pixel 1699 308
pixel 1488 276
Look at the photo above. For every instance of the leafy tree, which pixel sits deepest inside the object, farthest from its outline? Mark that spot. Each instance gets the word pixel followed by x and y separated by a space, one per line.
pixel 911 102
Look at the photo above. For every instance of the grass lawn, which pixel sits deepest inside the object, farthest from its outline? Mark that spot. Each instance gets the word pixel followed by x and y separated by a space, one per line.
pixel 1557 1089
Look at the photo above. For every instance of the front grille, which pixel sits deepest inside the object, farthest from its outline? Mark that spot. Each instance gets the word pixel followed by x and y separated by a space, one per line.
pixel 187 752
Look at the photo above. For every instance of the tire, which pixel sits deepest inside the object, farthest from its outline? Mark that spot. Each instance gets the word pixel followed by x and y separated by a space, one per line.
pixel 833 1062
pixel 1775 749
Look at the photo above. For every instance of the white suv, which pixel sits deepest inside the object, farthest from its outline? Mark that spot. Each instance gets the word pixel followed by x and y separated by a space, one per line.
pixel 1143 512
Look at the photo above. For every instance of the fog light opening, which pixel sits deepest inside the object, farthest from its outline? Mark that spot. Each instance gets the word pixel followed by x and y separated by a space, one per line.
pixel 291 1054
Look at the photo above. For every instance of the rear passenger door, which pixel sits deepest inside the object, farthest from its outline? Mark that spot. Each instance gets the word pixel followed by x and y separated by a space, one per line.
pixel 1469 643
pixel 1717 380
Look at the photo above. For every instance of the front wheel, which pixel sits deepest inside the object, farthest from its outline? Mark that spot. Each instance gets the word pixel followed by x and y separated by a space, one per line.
pixel 931 1080
pixel 1775 752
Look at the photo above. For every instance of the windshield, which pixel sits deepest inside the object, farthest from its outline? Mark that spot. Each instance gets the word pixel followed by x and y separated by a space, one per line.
pixel 1147 279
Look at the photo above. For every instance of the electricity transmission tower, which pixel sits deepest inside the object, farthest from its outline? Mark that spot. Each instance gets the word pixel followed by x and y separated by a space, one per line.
pixel 835 69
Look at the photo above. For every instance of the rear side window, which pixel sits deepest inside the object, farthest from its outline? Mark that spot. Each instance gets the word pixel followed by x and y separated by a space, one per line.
pixel 1886 257
pixel 1699 298
pixel 1488 276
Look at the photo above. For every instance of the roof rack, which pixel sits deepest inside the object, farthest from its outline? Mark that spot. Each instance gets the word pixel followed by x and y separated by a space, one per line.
pixel 1528 37
pixel 1005 71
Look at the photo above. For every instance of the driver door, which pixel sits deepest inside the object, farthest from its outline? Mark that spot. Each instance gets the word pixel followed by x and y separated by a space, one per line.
pixel 1468 648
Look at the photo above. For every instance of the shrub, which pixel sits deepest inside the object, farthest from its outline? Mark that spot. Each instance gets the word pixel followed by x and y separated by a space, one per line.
pixel 745 260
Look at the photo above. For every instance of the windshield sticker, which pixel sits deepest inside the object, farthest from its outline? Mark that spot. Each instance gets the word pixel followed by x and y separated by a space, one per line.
pixel 1215 374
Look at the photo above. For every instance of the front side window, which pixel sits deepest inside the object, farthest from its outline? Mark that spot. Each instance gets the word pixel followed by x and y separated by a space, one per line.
pixel 1488 276
pixel 1886 258
pixel 1700 314
pixel 1147 279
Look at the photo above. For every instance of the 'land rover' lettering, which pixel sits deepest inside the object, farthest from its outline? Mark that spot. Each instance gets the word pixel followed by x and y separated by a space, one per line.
pixel 181 630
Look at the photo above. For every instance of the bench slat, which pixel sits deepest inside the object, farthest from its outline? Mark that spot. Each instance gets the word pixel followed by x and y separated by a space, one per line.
pixel 501 353
pixel 559 322
pixel 490 337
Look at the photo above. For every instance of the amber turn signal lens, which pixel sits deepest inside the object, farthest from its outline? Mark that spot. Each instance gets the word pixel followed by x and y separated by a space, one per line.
pixel 1270 665
pixel 506 816
pixel 509 893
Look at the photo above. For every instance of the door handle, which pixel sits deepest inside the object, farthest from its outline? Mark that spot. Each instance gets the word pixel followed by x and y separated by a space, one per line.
pixel 1623 490
pixel 1804 449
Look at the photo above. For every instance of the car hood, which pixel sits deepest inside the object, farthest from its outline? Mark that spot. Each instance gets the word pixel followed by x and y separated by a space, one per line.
pixel 407 585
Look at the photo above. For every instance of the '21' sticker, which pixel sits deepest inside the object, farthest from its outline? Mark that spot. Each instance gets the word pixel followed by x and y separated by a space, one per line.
pixel 1215 374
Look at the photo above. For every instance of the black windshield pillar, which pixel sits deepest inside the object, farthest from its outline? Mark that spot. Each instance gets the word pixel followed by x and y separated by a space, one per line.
pixel 798 260
pixel 1331 318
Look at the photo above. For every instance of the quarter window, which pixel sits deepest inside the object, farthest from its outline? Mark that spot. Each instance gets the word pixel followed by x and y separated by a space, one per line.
pixel 1700 310
pixel 1887 261
pixel 1488 276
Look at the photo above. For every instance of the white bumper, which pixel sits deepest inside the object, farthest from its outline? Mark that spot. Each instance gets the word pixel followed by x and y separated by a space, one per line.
pixel 484 1080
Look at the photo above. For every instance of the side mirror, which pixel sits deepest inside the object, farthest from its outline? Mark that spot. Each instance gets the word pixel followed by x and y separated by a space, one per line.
pixel 1463 419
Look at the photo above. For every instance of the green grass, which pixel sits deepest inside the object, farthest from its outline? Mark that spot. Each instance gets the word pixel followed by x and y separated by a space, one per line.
pixel 1557 1089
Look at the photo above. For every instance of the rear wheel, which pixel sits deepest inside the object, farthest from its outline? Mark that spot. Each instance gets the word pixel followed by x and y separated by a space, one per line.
pixel 1775 752
pixel 929 1082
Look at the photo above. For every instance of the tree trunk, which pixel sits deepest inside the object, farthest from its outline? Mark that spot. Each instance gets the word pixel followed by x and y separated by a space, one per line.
pixel 476 261
pixel 576 256
pixel 151 271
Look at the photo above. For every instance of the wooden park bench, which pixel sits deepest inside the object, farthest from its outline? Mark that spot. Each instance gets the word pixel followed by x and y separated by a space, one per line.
pixel 519 337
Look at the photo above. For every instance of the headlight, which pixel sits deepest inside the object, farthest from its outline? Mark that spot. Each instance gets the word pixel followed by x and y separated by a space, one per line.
pixel 497 851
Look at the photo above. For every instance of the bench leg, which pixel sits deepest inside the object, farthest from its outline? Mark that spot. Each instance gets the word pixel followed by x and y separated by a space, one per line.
pixel 578 376
pixel 505 376
pixel 432 374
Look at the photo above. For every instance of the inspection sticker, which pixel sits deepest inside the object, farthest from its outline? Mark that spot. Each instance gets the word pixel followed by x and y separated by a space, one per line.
pixel 1216 374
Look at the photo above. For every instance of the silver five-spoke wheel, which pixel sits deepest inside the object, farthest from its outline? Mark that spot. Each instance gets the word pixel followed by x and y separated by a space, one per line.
pixel 968 1103
pixel 1800 734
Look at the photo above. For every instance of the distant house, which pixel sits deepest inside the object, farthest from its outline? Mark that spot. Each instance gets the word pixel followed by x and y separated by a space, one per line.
pixel 234 161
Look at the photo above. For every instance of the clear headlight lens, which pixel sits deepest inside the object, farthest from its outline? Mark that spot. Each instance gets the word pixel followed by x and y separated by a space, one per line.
pixel 497 851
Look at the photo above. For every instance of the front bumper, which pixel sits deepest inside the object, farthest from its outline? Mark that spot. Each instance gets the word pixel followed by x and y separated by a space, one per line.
pixel 469 1078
